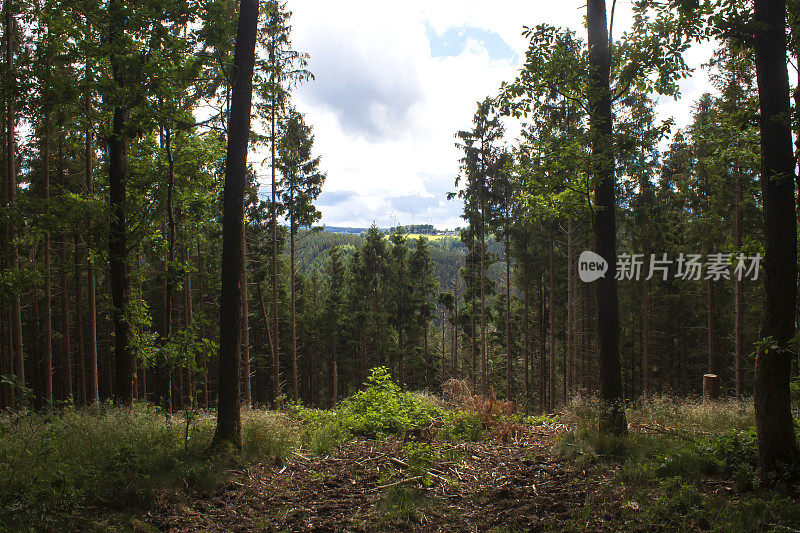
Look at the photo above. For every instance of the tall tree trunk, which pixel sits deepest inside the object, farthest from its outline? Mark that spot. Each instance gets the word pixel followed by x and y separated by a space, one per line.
pixel 246 386
pixel 568 354
pixel 118 242
pixel 712 355
pixel 738 284
pixel 66 357
pixel 274 214
pixel 48 297
pixel 776 437
pixel 427 355
pixel 551 312
pixel 91 285
pixel 542 352
pixel 509 361
pixel 484 373
pixel 600 127
pixel 267 327
pixel 295 392
pixel 228 406
pixel 455 333
pixel 80 349
pixel 645 338
pixel 527 339
pixel 11 176
pixel 188 319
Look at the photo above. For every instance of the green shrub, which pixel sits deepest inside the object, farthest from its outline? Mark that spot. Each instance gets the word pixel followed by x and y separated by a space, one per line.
pixel 382 408
pixel 463 426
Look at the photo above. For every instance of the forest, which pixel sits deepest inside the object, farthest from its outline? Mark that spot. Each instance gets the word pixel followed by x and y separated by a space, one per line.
pixel 609 342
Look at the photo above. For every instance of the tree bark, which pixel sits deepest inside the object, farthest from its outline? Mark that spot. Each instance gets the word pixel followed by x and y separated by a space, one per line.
pixel 66 356
pixel 80 350
pixel 738 285
pixel 551 312
pixel 11 176
pixel 295 392
pixel 246 386
pixel 228 406
pixel 48 297
pixel 509 362
pixel 94 391
pixel 602 161
pixel 776 438
pixel 274 214
pixel 117 242
pixel 542 352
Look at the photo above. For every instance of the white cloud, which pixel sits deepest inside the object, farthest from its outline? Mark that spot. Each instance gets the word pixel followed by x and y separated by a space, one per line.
pixel 385 111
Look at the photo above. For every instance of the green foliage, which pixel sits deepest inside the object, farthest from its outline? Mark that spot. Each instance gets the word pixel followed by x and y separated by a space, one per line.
pixel 541 420
pixel 382 409
pixel 462 425
pixel 55 469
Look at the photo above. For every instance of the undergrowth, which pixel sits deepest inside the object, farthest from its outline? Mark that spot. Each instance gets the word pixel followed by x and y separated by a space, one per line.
pixel 684 465
pixel 382 408
pixel 57 468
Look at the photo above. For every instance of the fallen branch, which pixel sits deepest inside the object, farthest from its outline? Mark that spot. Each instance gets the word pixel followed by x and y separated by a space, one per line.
pixel 401 482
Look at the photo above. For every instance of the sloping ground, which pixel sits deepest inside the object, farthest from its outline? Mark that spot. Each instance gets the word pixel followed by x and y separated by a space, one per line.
pixel 518 485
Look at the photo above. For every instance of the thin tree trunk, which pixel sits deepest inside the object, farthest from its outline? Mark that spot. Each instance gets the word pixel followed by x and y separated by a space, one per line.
pixel 509 361
pixel 80 349
pixel 274 214
pixel 188 318
pixel 48 298
pixel 738 285
pixel 527 338
pixel 645 338
pixel 295 392
pixel 568 354
pixel 455 333
pixel 542 352
pixel 551 312
pixel 484 373
pixel 246 387
pixel 712 355
pixel 267 328
pixel 66 357
pixel 776 438
pixel 94 390
pixel 228 404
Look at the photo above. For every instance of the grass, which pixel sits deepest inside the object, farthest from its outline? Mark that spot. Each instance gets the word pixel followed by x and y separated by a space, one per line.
pixel 58 469
pixel 683 466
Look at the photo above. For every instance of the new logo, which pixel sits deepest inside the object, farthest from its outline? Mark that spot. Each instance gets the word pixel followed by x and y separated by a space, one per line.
pixel 591 266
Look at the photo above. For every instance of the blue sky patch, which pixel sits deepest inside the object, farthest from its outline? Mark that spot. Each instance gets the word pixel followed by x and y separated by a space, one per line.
pixel 453 41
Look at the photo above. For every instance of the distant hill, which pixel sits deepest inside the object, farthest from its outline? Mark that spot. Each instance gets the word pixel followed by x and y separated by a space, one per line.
pixel 312 250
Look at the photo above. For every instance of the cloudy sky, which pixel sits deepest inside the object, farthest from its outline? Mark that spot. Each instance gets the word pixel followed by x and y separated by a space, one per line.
pixel 396 80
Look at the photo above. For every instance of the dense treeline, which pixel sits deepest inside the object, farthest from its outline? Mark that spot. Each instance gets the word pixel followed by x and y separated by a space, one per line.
pixel 132 272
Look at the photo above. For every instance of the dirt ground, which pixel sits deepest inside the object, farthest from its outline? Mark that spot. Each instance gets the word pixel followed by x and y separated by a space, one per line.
pixel 517 485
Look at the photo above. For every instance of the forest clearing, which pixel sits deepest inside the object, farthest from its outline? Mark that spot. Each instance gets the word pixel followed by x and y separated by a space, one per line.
pixel 560 290
pixel 392 460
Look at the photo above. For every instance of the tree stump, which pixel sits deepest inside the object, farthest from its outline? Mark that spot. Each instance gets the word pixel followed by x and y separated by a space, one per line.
pixel 710 387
